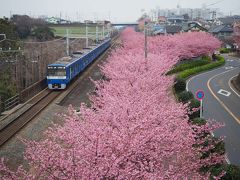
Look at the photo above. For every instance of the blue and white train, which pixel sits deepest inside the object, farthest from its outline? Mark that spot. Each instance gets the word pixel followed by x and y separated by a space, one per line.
pixel 60 73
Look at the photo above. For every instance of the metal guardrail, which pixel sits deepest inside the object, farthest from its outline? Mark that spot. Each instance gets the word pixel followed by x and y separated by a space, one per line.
pixel 11 102
pixel 23 96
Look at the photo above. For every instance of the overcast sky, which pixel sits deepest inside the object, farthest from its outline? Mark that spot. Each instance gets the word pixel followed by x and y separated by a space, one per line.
pixel 116 10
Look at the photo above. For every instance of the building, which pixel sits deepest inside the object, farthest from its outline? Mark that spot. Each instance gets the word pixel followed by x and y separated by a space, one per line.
pixel 88 21
pixel 173 29
pixel 54 20
pixel 196 13
pixel 223 33
pixel 229 20
pixel 159 30
pixel 162 20
pixel 175 19
pixel 193 27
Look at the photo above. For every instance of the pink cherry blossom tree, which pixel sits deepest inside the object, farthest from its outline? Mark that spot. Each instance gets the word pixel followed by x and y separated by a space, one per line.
pixel 134 128
pixel 236 30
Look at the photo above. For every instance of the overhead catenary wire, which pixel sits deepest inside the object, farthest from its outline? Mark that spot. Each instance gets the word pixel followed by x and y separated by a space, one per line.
pixel 33 42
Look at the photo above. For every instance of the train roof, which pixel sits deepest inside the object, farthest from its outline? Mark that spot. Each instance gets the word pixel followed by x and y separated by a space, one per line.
pixel 64 61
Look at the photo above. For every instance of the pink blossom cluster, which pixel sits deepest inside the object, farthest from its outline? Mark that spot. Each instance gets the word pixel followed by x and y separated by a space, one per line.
pixel 236 34
pixel 134 128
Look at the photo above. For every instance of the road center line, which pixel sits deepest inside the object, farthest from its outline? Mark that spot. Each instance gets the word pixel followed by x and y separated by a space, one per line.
pixel 200 75
pixel 223 105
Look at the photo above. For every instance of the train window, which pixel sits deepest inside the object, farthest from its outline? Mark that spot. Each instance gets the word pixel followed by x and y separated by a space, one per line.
pixel 56 71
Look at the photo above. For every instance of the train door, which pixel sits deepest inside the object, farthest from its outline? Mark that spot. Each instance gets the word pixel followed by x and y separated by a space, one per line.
pixel 71 71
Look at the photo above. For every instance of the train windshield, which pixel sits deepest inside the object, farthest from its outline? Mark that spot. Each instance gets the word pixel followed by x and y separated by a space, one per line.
pixel 56 71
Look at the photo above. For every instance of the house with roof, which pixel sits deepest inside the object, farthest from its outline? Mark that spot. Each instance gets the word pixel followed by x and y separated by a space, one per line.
pixel 159 29
pixel 173 29
pixel 229 20
pixel 54 20
pixel 193 27
pixel 222 31
pixel 175 19
pixel 162 20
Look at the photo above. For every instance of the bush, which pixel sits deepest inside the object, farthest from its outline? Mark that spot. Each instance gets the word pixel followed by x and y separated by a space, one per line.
pixel 199 121
pixel 180 85
pixel 185 96
pixel 232 172
pixel 190 64
pixel 196 70
pixel 224 50
pixel 194 103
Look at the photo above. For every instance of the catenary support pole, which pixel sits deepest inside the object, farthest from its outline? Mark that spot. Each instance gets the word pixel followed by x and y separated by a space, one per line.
pixel 67 44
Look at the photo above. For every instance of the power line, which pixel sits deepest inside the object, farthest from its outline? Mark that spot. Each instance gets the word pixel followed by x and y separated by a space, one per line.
pixel 34 42
pixel 214 3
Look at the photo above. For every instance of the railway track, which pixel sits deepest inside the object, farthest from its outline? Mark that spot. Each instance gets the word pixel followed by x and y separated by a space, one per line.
pixel 39 103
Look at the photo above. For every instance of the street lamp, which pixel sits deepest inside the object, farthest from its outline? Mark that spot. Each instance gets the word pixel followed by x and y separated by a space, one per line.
pixel 145 40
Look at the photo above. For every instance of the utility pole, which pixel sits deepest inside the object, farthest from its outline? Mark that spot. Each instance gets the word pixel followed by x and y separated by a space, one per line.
pixel 67 39
pixel 145 40
pixel 86 35
pixel 97 33
pixel 103 32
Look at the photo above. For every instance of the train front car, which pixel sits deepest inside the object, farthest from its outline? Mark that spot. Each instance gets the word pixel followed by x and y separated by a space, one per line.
pixel 56 76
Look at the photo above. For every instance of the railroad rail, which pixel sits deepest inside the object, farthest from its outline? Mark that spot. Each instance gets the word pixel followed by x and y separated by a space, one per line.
pixel 37 104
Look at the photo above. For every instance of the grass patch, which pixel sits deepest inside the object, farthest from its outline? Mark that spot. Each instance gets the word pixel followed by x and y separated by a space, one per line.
pixel 189 72
pixel 81 30
pixel 190 64
pixel 224 50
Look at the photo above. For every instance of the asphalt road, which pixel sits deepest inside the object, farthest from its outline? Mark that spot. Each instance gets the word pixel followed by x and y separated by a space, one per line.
pixel 222 103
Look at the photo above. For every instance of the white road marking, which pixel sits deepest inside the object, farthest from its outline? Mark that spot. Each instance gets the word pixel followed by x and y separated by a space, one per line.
pixel 232 88
pixel 229 67
pixel 224 92
pixel 193 77
pixel 230 60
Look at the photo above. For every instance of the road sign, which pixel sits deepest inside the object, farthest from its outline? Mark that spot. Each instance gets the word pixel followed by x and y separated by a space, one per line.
pixel 199 95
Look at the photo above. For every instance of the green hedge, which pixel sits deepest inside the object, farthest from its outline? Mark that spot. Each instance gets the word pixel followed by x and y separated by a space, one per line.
pixel 198 121
pixel 232 171
pixel 189 65
pixel 180 85
pixel 185 96
pixel 194 103
pixel 196 70
pixel 224 50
